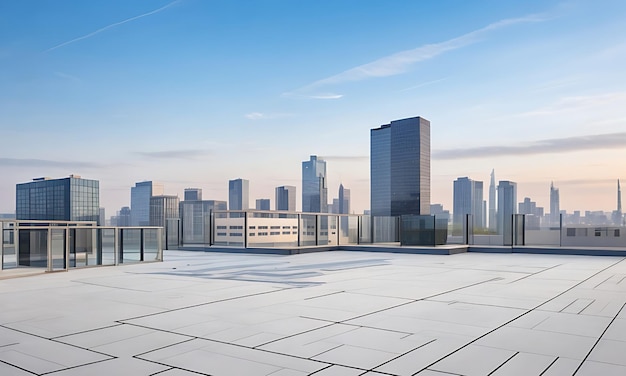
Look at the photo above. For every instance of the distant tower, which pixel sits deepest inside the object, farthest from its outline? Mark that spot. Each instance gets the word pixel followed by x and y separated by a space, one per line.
pixel 140 201
pixel 263 204
pixel 314 189
pixel 555 211
pixel 344 200
pixel 492 203
pixel 238 198
pixel 286 198
pixel 507 205
pixel 467 199
pixel 618 217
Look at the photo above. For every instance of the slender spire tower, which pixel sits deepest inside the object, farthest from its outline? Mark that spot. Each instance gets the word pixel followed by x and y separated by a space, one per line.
pixel 492 202
pixel 618 217
pixel 619 198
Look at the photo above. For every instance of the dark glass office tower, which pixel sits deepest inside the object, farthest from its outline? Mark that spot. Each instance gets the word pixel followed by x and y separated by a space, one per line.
pixel 400 168
pixel 66 199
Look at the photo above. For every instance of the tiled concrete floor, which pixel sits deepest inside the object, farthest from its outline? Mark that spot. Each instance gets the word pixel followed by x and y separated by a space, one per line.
pixel 333 313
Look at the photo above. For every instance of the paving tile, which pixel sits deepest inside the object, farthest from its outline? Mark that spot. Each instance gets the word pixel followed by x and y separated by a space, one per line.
pixel 524 364
pixel 562 366
pixel 609 351
pixel 591 368
pixel 123 340
pixel 223 359
pixel 353 356
pixel 336 370
pixel 6 369
pixel 130 366
pixel 424 356
pixel 40 355
pixel 616 331
pixel 473 360
pixel 538 342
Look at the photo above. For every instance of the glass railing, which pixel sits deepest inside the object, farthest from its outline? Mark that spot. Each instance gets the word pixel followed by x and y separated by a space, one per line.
pixel 58 245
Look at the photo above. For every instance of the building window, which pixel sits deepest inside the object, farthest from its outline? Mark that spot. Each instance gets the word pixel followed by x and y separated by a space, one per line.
pixel 275 227
pixel 221 234
pixel 571 232
pixel 275 233
pixel 236 234
pixel 251 234
pixel 251 227
pixel 616 233
pixel 221 227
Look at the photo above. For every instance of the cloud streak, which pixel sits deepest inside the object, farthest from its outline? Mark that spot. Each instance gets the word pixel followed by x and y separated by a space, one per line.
pixel 549 146
pixel 402 61
pixel 174 154
pixel 37 163
pixel 264 116
pixel 112 26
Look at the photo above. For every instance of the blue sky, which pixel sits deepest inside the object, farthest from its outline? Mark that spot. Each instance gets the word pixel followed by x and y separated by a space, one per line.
pixel 193 93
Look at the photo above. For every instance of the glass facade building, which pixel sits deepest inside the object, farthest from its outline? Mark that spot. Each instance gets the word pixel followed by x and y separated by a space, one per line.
pixel 286 198
pixel 66 199
pixel 400 168
pixel 163 208
pixel 314 188
pixel 140 201
pixel 238 194
pixel 195 219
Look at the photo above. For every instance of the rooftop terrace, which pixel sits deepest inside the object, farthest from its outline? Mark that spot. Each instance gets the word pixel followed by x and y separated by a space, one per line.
pixel 326 313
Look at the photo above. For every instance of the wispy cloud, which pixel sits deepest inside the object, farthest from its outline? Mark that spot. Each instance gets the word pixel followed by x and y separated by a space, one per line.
pixel 37 163
pixel 67 76
pixel 265 116
pixel 112 26
pixel 549 146
pixel 174 154
pixel 424 84
pixel 577 103
pixel 402 61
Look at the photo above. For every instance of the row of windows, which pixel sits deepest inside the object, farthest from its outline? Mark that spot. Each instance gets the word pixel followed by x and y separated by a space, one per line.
pixel 272 227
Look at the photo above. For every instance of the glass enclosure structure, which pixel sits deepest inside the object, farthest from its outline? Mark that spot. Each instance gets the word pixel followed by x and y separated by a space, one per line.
pixel 61 245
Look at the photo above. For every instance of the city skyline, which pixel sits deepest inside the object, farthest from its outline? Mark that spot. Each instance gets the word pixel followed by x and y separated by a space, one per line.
pixel 113 92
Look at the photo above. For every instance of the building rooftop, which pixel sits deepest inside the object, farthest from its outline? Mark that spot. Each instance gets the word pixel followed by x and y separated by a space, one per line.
pixel 327 313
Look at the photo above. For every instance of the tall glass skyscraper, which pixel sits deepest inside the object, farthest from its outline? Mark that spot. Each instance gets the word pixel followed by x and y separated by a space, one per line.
pixel 286 198
pixel 238 194
pixel 66 199
pixel 314 189
pixel 400 168
pixel 140 201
